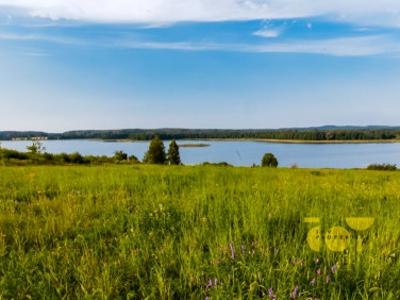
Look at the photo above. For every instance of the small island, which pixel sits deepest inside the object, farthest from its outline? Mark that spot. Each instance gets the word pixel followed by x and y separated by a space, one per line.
pixel 194 145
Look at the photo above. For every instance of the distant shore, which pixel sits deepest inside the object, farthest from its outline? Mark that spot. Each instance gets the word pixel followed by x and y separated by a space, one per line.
pixel 276 141
pixel 187 143
pixel 284 141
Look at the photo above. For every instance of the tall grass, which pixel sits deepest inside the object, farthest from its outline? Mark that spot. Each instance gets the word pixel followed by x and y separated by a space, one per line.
pixel 147 232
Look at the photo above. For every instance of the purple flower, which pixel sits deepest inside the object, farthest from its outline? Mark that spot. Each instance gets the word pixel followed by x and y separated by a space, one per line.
pixel 271 294
pixel 295 293
pixel 207 298
pixel 209 284
pixel 318 271
pixel 232 250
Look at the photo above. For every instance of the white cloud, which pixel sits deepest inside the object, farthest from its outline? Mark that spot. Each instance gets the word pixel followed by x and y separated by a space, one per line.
pixel 37 37
pixel 372 12
pixel 350 46
pixel 268 32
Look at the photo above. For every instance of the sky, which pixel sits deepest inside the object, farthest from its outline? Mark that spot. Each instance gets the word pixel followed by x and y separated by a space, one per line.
pixel 99 64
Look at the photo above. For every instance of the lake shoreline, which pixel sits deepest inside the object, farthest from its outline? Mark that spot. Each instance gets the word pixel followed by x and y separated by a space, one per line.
pixel 275 141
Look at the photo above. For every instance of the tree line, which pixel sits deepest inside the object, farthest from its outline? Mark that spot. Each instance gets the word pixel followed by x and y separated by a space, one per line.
pixel 322 134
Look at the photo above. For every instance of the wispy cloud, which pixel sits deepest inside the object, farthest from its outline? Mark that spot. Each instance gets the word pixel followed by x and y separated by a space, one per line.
pixel 352 46
pixel 268 32
pixel 382 12
pixel 349 46
pixel 41 38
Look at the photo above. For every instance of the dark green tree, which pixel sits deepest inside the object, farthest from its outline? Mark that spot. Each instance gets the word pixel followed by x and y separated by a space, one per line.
pixel 156 152
pixel 269 160
pixel 120 156
pixel 173 155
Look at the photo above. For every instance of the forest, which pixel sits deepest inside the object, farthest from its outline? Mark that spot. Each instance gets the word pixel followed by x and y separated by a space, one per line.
pixel 326 133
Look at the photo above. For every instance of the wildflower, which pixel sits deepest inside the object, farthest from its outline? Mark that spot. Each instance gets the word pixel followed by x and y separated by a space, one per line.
pixel 317 261
pixel 318 271
pixel 334 268
pixel 313 281
pixel 298 262
pixel 209 284
pixel 328 279
pixel 207 298
pixel 242 247
pixel 295 293
pixel 271 294
pixel 232 250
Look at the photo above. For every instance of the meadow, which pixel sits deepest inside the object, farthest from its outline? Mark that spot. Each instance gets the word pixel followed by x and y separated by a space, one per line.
pixel 201 232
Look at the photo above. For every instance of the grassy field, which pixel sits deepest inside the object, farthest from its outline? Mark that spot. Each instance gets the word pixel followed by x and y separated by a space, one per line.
pixel 147 232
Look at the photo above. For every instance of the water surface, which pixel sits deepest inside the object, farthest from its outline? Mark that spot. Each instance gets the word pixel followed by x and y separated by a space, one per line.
pixel 241 153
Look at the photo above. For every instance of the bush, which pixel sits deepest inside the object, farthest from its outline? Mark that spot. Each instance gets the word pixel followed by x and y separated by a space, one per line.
pixel 36 148
pixel 21 158
pixel 48 156
pixel 13 154
pixel 269 160
pixel 133 159
pixel 64 158
pixel 120 156
pixel 382 167
pixel 220 164
pixel 77 158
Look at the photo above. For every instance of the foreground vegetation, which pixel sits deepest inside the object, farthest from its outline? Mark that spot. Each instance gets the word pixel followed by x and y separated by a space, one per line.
pixel 206 232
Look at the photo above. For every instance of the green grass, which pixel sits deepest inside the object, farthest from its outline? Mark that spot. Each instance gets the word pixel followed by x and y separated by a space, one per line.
pixel 147 232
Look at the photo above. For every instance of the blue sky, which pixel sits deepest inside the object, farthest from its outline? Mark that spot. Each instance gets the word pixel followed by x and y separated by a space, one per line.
pixel 234 64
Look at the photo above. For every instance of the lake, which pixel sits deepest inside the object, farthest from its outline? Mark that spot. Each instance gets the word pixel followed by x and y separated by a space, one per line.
pixel 240 153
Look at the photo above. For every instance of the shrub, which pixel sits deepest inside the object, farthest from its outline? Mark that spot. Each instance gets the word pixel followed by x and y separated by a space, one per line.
pixel 77 158
pixel 36 148
pixel 13 154
pixel 48 156
pixel 269 160
pixel 220 164
pixel 133 159
pixel 382 167
pixel 64 158
pixel 120 156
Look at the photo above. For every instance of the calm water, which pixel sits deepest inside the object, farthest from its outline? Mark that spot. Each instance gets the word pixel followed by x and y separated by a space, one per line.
pixel 241 153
